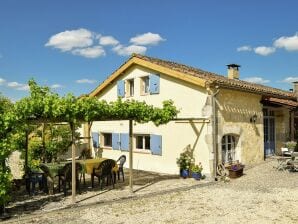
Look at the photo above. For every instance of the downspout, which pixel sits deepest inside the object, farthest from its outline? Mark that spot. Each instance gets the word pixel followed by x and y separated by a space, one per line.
pixel 214 131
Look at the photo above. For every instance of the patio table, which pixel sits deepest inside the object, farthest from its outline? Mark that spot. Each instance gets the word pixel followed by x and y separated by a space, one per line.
pixel 89 164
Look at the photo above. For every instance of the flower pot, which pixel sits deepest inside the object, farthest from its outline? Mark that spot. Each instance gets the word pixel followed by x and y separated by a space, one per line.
pixel 184 173
pixel 235 173
pixel 196 176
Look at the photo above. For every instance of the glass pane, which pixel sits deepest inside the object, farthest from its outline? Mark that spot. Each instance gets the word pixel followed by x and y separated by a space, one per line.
pixel 147 142
pixel 139 142
pixel 107 139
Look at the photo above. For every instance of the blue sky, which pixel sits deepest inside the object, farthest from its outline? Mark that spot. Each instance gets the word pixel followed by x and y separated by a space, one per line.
pixel 73 46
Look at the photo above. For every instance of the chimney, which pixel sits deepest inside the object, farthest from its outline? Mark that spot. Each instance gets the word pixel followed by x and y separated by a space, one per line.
pixel 233 71
pixel 295 86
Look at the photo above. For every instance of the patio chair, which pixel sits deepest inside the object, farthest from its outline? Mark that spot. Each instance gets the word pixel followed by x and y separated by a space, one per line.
pixel 120 162
pixel 65 177
pixel 104 170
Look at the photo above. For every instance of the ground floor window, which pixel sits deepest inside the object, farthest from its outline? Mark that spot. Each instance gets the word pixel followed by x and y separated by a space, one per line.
pixel 143 142
pixel 228 144
pixel 107 139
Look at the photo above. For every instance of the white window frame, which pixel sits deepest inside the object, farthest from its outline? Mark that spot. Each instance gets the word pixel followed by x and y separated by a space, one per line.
pixel 104 139
pixel 143 143
pixel 228 155
pixel 145 85
pixel 130 87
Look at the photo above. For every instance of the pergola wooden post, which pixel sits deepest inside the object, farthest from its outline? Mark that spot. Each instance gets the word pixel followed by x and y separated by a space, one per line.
pixel 73 166
pixel 130 156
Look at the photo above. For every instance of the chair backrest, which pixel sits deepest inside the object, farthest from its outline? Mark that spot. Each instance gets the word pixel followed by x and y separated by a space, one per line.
pixel 106 166
pixel 45 169
pixel 66 171
pixel 121 160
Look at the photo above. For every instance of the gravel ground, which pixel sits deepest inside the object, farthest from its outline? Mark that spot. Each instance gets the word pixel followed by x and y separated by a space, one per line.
pixel 262 195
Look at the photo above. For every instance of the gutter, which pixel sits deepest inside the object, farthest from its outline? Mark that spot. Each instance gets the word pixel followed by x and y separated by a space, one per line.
pixel 214 131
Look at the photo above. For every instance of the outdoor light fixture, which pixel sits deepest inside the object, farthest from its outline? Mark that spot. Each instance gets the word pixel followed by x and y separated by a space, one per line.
pixel 253 119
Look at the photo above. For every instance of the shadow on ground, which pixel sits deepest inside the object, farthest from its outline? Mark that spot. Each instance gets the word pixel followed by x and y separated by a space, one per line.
pixel 22 203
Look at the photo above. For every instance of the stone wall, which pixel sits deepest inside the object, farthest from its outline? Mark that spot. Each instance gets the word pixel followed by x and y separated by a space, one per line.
pixel 235 110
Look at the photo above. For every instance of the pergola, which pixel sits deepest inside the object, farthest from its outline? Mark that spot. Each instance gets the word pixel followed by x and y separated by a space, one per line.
pixel 44 106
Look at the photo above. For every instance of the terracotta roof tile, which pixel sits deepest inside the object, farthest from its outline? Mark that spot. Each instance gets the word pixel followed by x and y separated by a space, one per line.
pixel 215 79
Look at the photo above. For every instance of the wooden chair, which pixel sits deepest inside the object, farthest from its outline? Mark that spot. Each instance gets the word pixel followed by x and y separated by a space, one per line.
pixel 120 162
pixel 104 170
pixel 65 177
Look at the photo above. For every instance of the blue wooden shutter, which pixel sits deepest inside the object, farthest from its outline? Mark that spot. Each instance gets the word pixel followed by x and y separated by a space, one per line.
pixel 121 88
pixel 115 141
pixel 156 144
pixel 154 84
pixel 95 139
pixel 124 141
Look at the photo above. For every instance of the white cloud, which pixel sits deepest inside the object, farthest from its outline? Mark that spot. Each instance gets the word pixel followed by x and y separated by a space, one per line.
pixel 90 52
pixel 88 81
pixel 257 80
pixel 2 81
pixel 264 51
pixel 290 79
pixel 146 39
pixel 288 43
pixel 70 39
pixel 108 40
pixel 56 86
pixel 244 48
pixel 18 86
pixel 124 51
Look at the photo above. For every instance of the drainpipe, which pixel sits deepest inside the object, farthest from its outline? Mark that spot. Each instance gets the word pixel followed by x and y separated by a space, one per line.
pixel 214 131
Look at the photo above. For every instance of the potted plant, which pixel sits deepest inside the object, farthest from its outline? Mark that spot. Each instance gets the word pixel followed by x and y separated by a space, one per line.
pixel 184 163
pixel 235 170
pixel 291 145
pixel 196 171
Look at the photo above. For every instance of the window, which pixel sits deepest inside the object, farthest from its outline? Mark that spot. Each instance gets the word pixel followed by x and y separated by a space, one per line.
pixel 145 85
pixel 228 144
pixel 130 87
pixel 107 139
pixel 143 142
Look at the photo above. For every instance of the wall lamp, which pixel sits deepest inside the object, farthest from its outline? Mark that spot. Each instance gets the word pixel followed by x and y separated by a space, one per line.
pixel 253 119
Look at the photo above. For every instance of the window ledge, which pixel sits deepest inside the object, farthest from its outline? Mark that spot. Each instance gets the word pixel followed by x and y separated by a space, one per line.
pixel 142 151
pixel 107 148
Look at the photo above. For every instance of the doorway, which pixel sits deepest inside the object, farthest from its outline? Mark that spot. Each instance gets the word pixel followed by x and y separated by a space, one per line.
pixel 269 132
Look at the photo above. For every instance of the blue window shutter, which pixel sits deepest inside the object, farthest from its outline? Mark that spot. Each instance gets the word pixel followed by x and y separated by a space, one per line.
pixel 156 144
pixel 154 84
pixel 95 139
pixel 115 141
pixel 121 88
pixel 124 141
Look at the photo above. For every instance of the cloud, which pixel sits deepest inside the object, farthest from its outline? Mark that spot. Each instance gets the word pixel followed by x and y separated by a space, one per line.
pixel 264 51
pixel 244 48
pixel 146 39
pixel 124 51
pixel 288 43
pixel 90 52
pixel 290 79
pixel 88 81
pixel 56 86
pixel 2 81
pixel 257 80
pixel 18 86
pixel 108 40
pixel 70 39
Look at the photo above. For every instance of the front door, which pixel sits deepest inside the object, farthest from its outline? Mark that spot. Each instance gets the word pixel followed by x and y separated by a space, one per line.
pixel 269 132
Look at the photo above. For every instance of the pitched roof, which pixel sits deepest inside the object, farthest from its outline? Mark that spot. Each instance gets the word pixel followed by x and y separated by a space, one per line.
pixel 196 76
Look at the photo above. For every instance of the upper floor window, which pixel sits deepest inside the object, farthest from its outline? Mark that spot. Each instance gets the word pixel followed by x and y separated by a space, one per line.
pixel 130 87
pixel 145 85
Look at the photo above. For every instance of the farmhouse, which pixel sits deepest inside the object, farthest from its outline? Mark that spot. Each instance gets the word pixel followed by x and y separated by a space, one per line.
pixel 221 118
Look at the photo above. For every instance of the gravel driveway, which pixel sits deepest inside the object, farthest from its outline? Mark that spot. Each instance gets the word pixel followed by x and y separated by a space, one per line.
pixel 262 195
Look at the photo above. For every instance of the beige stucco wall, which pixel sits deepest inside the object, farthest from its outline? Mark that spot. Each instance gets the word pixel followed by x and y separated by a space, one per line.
pixel 176 136
pixel 235 110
